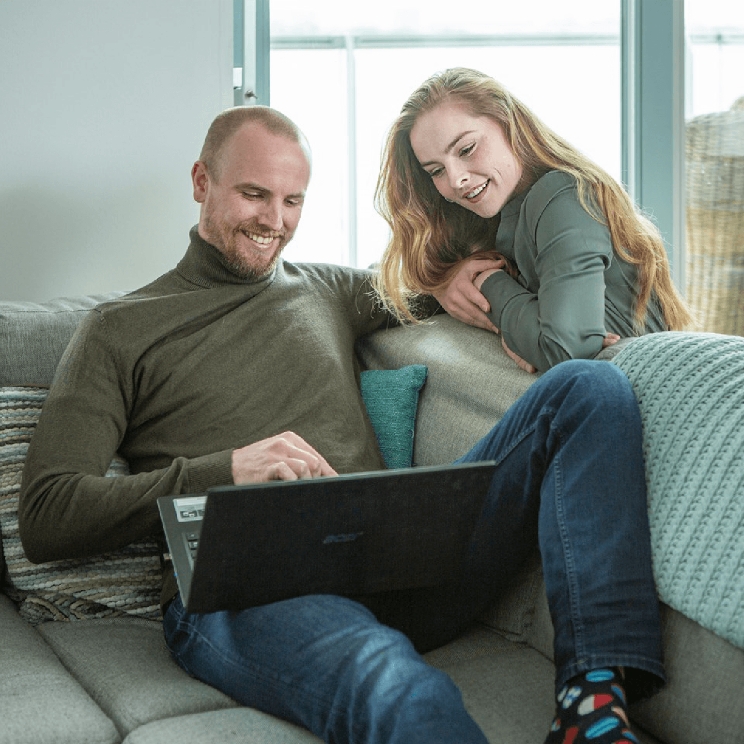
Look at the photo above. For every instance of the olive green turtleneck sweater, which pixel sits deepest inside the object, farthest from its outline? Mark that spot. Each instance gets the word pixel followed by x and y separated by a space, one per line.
pixel 178 374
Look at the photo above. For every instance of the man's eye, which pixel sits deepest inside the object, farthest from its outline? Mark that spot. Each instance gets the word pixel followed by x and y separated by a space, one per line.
pixel 252 195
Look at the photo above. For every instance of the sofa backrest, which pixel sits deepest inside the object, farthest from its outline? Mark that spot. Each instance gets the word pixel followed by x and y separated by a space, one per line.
pixel 34 335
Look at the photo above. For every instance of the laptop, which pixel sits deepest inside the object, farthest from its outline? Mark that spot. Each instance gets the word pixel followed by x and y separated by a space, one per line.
pixel 235 547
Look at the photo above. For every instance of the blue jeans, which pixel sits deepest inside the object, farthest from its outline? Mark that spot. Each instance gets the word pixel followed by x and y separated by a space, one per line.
pixel 570 480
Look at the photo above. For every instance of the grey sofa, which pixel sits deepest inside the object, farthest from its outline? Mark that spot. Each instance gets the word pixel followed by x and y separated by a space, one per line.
pixel 110 679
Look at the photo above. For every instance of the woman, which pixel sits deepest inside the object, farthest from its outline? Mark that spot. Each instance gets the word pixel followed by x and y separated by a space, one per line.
pixel 512 229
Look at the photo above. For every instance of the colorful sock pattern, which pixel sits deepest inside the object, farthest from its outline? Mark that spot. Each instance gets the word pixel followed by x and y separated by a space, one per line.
pixel 592 709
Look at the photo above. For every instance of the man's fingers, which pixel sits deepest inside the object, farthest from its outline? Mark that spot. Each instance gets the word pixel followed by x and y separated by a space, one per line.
pixel 302 451
pixel 283 457
pixel 302 459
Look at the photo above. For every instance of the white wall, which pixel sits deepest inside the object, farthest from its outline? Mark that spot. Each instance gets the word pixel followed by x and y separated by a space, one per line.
pixel 104 105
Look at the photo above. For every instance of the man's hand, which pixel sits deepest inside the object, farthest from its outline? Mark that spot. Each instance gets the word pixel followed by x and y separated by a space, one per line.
pixel 285 456
pixel 462 298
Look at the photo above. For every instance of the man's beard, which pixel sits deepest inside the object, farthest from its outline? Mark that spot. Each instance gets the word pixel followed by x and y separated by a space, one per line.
pixel 242 267
pixel 238 261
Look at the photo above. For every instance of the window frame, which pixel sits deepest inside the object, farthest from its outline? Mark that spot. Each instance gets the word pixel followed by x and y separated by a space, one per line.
pixel 653 127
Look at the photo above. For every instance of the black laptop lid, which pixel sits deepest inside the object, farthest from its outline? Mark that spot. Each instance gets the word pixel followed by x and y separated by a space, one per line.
pixel 349 535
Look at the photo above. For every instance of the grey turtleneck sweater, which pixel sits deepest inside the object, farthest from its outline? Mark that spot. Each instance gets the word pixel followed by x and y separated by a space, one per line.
pixel 178 374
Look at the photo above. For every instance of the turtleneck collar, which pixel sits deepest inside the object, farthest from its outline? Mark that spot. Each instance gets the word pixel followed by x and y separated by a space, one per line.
pixel 204 266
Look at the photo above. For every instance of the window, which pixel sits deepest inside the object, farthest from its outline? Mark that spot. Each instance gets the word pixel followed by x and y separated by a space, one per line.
pixel 715 59
pixel 342 71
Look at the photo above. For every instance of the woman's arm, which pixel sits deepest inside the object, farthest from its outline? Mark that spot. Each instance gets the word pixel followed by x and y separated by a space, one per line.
pixel 562 253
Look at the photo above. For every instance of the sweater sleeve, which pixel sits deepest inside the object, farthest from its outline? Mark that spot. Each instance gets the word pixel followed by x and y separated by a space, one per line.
pixel 362 307
pixel 561 314
pixel 67 507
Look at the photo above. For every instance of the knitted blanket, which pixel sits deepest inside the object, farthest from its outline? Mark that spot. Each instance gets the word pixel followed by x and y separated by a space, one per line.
pixel 690 388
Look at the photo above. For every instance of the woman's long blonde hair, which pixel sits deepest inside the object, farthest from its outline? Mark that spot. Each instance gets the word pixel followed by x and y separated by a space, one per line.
pixel 429 234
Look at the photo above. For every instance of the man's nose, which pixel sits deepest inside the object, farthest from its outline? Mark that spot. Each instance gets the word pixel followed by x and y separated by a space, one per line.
pixel 272 215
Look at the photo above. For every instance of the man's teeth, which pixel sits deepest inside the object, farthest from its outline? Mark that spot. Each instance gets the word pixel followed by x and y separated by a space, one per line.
pixel 260 239
pixel 477 191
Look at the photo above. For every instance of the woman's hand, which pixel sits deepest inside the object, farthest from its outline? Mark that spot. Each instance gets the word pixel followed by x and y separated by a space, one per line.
pixel 462 298
pixel 609 340
pixel 521 363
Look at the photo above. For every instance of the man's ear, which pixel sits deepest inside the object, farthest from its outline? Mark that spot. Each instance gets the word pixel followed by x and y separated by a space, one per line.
pixel 200 181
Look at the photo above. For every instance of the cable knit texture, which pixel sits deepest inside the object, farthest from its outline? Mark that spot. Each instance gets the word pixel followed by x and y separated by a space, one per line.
pixel 690 387
pixel 117 583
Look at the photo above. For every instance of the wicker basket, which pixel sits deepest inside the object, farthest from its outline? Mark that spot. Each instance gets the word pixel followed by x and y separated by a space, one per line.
pixel 715 220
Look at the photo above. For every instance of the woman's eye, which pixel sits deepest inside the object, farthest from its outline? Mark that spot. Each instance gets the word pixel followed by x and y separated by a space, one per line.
pixel 436 172
pixel 467 149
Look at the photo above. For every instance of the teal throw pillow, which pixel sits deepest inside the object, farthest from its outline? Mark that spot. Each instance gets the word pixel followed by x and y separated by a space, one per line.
pixel 391 397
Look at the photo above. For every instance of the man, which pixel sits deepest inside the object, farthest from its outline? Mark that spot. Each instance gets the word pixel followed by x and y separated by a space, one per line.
pixel 237 366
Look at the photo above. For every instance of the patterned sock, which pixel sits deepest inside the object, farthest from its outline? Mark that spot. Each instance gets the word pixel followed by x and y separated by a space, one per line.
pixel 592 710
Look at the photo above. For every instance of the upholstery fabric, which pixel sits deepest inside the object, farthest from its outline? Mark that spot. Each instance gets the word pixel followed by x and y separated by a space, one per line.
pixel 38 333
pixel 470 385
pixel 125 666
pixel 391 397
pixel 702 671
pixel 508 688
pixel 701 667
pixel 40 702
pixel 235 726
pixel 690 388
pixel 125 582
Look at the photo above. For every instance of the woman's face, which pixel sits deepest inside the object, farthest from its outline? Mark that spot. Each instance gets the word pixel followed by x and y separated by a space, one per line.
pixel 467 157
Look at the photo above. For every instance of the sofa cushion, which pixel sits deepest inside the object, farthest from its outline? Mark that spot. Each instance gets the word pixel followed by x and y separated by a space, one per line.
pixel 125 666
pixel 40 703
pixel 122 582
pixel 471 382
pixel 391 397
pixel 235 726
pixel 701 702
pixel 36 335
pixel 507 689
